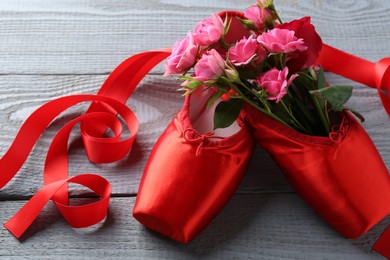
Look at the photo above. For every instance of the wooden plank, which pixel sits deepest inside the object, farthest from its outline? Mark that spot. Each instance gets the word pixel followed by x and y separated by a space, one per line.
pixel 92 37
pixel 56 48
pixel 155 101
pixel 257 226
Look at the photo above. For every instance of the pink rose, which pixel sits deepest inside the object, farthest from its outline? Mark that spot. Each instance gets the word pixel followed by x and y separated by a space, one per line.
pixel 209 30
pixel 182 57
pixel 305 30
pixel 281 41
pixel 245 51
pixel 210 66
pixel 275 83
pixel 259 16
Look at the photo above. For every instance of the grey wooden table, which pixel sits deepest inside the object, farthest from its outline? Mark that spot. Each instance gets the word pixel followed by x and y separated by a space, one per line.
pixel 55 48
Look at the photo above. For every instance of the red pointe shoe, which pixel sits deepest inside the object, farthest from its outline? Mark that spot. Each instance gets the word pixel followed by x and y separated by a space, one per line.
pixel 192 171
pixel 341 176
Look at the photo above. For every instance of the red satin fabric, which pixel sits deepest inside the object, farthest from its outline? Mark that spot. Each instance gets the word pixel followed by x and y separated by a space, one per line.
pixel 101 115
pixel 383 244
pixel 182 190
pixel 56 163
pixel 347 186
pixel 375 75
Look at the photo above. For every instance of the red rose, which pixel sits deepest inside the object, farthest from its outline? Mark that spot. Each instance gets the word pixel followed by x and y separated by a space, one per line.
pixel 237 31
pixel 305 30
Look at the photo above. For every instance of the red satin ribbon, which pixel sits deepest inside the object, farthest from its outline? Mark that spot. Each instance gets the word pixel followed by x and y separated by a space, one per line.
pixel 375 75
pixel 101 115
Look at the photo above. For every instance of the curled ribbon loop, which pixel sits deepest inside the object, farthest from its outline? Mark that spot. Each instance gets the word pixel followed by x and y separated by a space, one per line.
pixel 382 82
pixel 56 164
pixel 101 115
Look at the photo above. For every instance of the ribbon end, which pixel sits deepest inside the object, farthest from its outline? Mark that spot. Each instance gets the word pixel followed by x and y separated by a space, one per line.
pixel 382 246
pixel 13 229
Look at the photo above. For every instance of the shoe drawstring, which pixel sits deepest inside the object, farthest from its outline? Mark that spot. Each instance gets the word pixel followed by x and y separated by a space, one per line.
pixel 193 136
pixel 337 134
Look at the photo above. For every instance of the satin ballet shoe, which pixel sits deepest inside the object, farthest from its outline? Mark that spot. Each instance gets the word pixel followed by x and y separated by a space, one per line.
pixel 192 171
pixel 342 177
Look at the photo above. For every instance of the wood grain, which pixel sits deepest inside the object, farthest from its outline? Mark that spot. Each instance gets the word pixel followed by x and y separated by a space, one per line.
pixel 257 226
pixel 55 48
pixel 92 37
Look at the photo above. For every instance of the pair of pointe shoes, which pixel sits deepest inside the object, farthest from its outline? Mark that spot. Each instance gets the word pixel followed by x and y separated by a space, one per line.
pixel 193 171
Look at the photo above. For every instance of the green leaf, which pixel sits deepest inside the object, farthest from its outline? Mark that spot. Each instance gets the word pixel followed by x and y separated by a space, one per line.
pixel 194 84
pixel 227 112
pixel 305 82
pixel 185 77
pixel 336 95
pixel 224 80
pixel 311 73
pixel 321 81
pixel 357 114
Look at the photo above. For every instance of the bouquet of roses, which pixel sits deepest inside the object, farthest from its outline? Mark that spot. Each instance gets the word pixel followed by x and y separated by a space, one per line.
pixel 271 67
pixel 264 72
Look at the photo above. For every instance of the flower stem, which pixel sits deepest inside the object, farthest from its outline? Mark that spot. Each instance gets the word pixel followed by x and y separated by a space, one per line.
pixel 324 120
pixel 223 43
pixel 266 105
pixel 252 103
pixel 296 122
